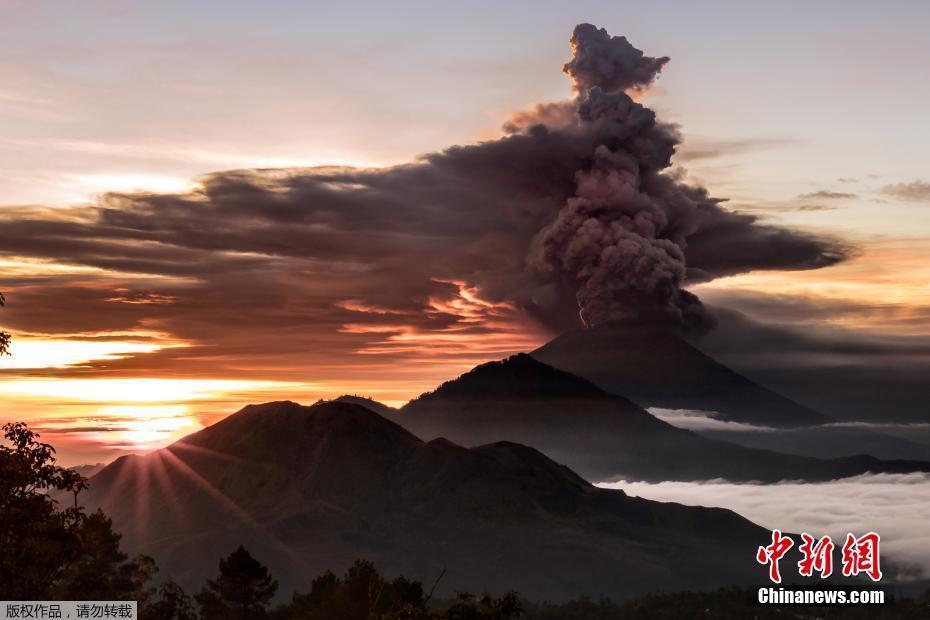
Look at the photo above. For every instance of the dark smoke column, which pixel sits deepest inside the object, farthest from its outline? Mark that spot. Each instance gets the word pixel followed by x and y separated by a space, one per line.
pixel 621 238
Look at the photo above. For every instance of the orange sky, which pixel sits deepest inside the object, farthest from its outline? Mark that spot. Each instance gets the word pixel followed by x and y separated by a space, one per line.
pixel 112 354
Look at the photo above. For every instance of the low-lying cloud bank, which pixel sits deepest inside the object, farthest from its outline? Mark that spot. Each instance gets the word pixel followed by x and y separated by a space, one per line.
pixel 886 440
pixel 697 420
pixel 897 506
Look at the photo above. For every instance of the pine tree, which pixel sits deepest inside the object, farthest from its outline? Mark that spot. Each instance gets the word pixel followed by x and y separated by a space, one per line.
pixel 102 572
pixel 243 589
pixel 173 603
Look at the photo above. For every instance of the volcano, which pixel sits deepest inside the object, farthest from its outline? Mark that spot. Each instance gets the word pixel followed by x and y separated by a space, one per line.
pixel 600 435
pixel 307 489
pixel 656 367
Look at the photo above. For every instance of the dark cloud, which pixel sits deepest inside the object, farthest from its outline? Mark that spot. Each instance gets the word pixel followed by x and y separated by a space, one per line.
pixel 828 195
pixel 552 114
pixel 609 63
pixel 782 342
pixel 915 191
pixel 575 208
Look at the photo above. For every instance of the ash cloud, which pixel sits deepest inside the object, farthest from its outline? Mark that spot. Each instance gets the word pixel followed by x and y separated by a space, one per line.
pixel 610 63
pixel 573 214
pixel 632 234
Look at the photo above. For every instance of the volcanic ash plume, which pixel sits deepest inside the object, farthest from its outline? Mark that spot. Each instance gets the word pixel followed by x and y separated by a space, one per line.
pixel 621 238
pixel 609 62
pixel 573 212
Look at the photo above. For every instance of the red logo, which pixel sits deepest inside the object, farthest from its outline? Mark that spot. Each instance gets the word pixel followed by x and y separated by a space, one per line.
pixel 817 556
pixel 773 553
pixel 859 555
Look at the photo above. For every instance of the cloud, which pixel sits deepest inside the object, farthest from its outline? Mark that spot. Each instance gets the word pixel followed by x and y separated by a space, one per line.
pixel 915 191
pixel 609 63
pixel 696 148
pixel 828 195
pixel 782 342
pixel 695 420
pixel 815 208
pixel 476 250
pixel 885 440
pixel 881 426
pixel 871 502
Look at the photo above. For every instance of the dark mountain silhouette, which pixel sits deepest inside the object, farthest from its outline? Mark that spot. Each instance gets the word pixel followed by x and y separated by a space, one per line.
pixel 601 436
pixel 307 489
pixel 369 403
pixel 655 367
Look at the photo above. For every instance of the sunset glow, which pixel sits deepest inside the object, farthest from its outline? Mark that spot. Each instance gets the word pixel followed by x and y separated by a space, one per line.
pixel 194 219
pixel 61 353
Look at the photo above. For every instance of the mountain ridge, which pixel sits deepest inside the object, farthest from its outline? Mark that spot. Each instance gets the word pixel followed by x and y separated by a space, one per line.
pixel 600 435
pixel 347 483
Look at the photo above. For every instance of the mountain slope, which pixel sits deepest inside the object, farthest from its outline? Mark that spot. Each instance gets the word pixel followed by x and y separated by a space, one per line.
pixel 307 489
pixel 600 435
pixel 654 367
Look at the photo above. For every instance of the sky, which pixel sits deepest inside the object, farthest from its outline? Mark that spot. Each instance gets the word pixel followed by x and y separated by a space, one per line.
pixel 139 314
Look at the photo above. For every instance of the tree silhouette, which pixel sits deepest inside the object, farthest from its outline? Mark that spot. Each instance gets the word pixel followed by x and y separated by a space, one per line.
pixel 243 589
pixel 50 553
pixel 485 607
pixel 361 593
pixel 37 541
pixel 4 337
pixel 102 571
pixel 173 603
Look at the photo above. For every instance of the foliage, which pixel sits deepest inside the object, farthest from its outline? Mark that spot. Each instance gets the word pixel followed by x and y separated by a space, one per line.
pixel 4 337
pixel 360 594
pixel 101 572
pixel 37 541
pixel 173 603
pixel 363 594
pixel 243 589
pixel 52 553
pixel 485 607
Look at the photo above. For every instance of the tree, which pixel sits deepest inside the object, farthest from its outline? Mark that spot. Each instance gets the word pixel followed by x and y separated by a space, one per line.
pixel 37 541
pixel 243 589
pixel 47 553
pixel 361 594
pixel 172 603
pixel 102 572
pixel 4 337
pixel 485 607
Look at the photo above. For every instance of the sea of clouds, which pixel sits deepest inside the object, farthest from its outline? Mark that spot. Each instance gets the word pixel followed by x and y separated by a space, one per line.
pixel 897 506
